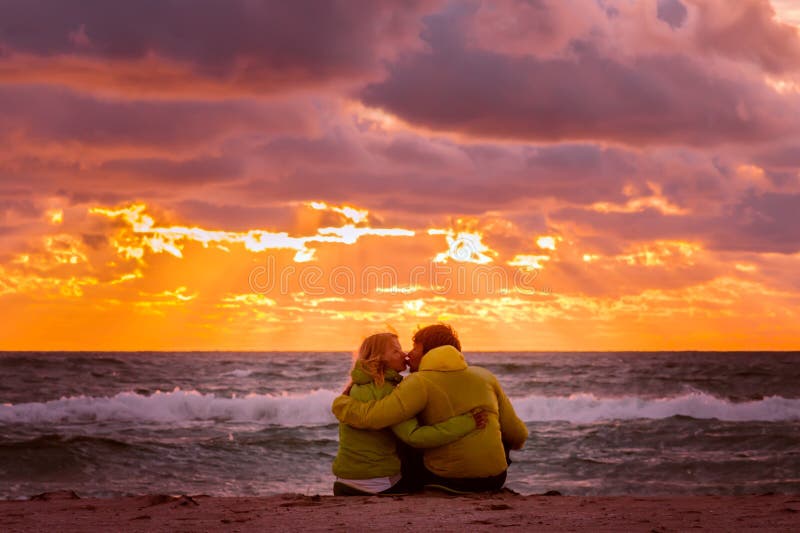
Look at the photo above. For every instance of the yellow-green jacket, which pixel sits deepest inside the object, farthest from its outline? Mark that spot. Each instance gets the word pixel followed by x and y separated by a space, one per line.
pixel 443 387
pixel 365 454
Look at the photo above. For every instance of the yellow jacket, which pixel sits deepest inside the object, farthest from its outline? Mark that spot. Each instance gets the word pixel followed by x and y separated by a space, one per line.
pixel 444 387
pixel 365 454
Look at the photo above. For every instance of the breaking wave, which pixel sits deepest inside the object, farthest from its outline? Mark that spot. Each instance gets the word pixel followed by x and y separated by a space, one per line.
pixel 584 408
pixel 177 406
pixel 313 408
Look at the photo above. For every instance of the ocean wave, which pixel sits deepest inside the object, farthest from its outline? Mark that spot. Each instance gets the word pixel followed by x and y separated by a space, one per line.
pixel 313 408
pixel 239 373
pixel 585 408
pixel 59 441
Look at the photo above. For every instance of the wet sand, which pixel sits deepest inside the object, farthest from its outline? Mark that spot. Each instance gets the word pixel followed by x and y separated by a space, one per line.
pixel 65 512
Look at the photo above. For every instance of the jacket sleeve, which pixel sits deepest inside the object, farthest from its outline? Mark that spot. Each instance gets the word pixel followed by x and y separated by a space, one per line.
pixel 439 434
pixel 513 430
pixel 407 399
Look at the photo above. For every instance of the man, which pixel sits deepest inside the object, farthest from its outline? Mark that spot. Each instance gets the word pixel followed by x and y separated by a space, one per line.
pixel 443 385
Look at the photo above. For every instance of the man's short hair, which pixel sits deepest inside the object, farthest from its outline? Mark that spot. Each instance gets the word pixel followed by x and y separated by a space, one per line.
pixel 431 337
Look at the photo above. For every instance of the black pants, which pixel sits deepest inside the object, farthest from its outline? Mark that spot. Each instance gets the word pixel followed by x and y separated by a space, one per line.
pixel 468 484
pixel 412 467
pixel 416 475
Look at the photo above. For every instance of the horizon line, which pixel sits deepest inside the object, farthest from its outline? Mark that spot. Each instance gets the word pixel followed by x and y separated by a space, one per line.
pixel 685 350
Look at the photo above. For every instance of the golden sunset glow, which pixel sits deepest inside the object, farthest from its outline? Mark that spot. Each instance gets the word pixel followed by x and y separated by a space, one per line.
pixel 215 284
pixel 546 242
pixel 142 233
pixel 463 246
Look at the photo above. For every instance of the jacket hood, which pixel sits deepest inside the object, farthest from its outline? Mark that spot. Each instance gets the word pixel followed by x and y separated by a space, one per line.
pixel 444 358
pixel 361 377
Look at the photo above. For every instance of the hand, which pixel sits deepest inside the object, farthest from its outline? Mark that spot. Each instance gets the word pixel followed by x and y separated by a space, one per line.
pixel 346 390
pixel 481 417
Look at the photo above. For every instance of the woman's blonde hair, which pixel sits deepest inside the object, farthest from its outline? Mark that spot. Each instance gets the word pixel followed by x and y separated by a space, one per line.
pixel 370 355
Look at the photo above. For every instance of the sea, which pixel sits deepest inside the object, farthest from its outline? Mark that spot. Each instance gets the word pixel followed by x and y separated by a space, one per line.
pixel 108 424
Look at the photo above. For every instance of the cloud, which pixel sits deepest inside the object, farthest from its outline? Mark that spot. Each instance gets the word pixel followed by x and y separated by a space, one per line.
pixel 758 222
pixel 784 156
pixel 14 208
pixel 673 12
pixel 54 115
pixel 586 92
pixel 195 170
pixel 235 217
pixel 747 30
pixel 761 222
pixel 263 47
pixel 527 27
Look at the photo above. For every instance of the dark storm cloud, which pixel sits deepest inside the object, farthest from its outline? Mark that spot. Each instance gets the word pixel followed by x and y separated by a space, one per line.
pixel 654 99
pixel 270 44
pixel 36 114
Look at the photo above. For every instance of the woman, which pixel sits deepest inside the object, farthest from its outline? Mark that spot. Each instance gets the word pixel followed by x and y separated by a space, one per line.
pixel 367 461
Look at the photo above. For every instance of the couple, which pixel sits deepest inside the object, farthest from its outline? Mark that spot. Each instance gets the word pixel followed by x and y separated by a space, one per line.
pixel 458 414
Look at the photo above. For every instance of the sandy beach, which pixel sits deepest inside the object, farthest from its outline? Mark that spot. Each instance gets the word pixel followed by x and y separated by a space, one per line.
pixel 65 512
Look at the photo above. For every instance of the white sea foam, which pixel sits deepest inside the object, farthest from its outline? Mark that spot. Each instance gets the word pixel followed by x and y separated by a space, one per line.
pixel 581 408
pixel 238 373
pixel 177 406
pixel 313 408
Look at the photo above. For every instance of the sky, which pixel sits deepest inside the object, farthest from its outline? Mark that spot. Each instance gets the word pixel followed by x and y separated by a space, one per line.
pixel 541 174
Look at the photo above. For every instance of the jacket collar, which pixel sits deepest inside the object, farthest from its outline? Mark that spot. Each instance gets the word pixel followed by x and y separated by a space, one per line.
pixel 361 377
pixel 443 358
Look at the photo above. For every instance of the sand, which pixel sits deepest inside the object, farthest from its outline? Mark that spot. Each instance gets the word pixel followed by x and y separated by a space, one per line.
pixel 430 511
